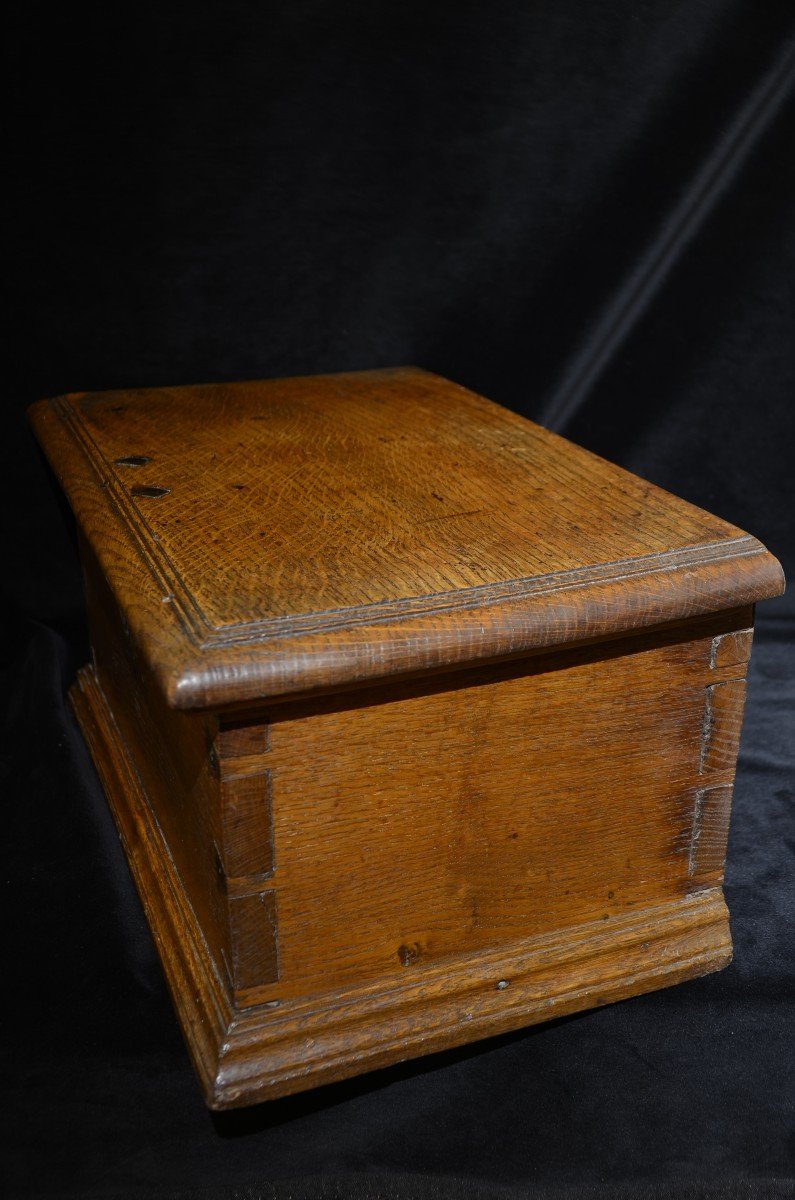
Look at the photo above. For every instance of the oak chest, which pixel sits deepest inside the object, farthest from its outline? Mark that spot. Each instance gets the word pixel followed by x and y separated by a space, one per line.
pixel 418 722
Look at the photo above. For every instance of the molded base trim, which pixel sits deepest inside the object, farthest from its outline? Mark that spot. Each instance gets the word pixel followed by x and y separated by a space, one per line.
pixel 245 1055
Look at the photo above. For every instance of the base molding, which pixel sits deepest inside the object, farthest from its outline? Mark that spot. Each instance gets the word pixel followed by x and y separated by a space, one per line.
pixel 245 1055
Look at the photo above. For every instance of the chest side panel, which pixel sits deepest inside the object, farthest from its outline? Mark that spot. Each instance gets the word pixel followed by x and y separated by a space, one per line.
pixel 170 753
pixel 423 822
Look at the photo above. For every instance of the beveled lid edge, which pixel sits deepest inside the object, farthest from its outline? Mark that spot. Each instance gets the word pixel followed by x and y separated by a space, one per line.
pixel 568 615
pixel 381 641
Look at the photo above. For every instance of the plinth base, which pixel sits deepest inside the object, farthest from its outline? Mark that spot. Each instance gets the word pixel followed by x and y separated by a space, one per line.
pixel 245 1055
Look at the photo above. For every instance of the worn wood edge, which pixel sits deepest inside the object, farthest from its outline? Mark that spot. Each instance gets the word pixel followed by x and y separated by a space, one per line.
pixel 158 629
pixel 198 666
pixel 268 1054
pixel 201 999
pixel 482 596
pixel 291 667
pixel 247 1055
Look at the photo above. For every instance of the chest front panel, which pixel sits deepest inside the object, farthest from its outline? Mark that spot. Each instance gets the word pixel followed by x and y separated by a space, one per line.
pixel 420 822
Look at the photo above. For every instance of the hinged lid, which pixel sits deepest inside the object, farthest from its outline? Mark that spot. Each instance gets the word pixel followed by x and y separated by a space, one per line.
pixel 271 538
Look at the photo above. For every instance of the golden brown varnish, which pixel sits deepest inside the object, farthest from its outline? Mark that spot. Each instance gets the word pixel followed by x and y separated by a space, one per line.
pixel 288 535
pixel 411 852
pixel 418 723
pixel 431 817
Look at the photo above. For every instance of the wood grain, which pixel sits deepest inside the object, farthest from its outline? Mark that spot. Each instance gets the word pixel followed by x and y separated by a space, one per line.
pixel 336 530
pixel 170 752
pixel 449 816
pixel 243 1056
pixel 418 723
pixel 430 879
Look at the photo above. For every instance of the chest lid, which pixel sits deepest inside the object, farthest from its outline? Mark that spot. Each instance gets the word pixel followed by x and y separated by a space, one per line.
pixel 274 537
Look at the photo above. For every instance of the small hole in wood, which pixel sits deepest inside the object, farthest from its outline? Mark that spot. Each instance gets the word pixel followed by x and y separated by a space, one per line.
pixel 409 954
pixel 132 460
pixel 152 492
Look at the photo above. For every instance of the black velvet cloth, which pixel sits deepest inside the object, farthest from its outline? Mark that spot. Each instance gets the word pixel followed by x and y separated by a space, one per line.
pixel 584 211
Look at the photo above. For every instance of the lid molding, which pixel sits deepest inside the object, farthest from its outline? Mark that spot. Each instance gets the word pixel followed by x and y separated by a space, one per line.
pixel 200 663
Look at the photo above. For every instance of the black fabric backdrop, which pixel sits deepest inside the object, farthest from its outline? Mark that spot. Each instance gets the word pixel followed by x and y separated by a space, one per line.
pixel 584 211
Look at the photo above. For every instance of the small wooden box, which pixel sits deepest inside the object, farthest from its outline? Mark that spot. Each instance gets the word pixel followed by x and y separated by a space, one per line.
pixel 418 722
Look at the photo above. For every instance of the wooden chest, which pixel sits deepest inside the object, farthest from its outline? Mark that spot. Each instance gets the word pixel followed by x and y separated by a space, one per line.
pixel 418 722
